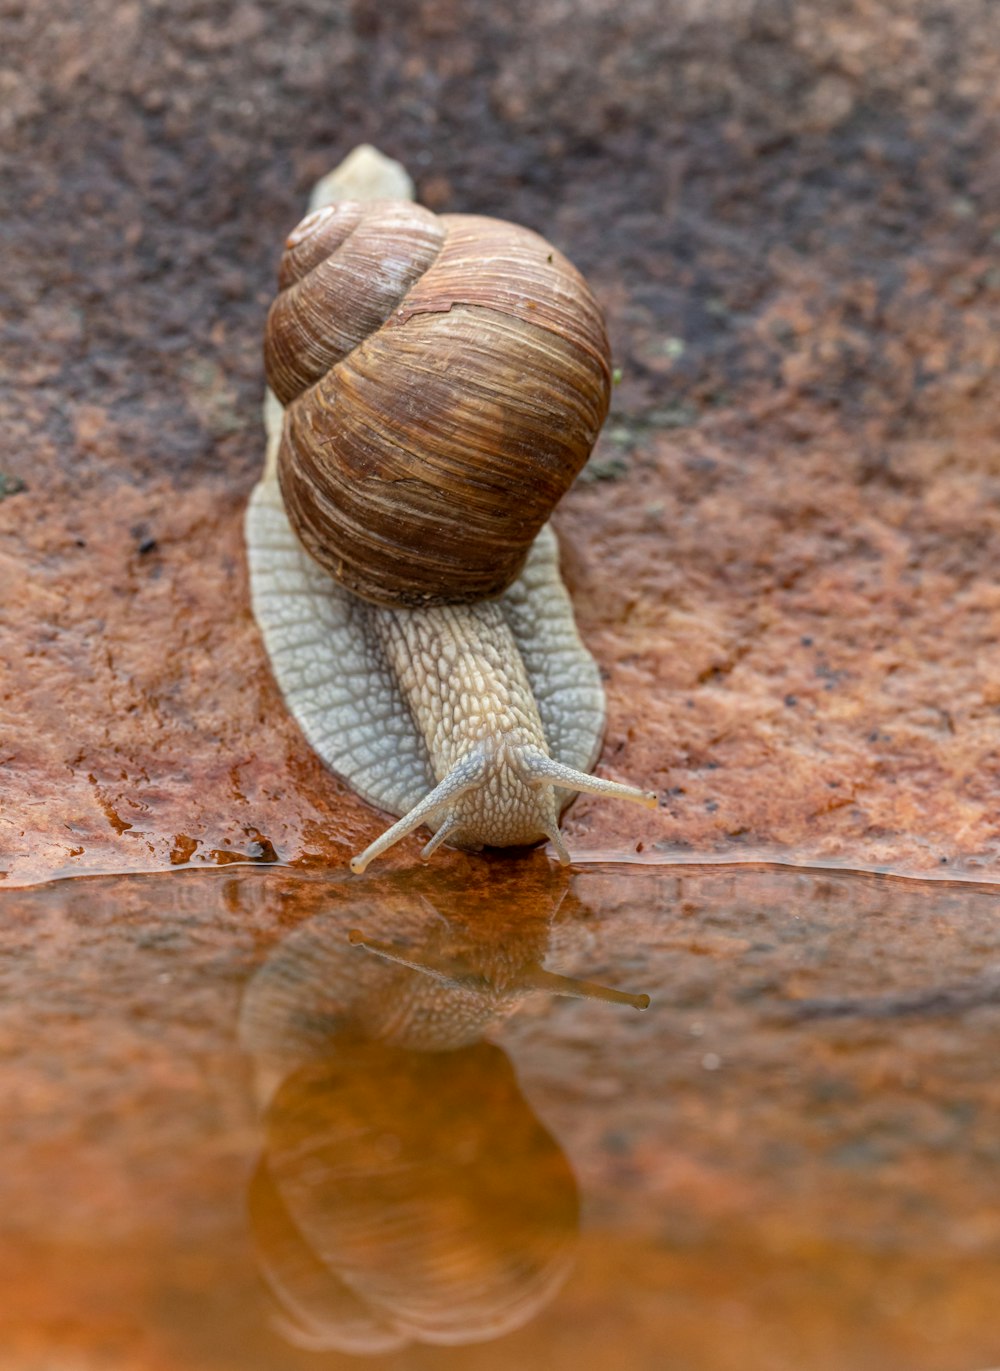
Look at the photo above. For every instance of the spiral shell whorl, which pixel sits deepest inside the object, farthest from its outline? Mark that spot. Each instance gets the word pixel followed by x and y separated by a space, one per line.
pixel 345 269
pixel 445 379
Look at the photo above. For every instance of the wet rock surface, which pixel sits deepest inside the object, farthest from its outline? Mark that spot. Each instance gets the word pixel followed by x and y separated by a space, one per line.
pixel 783 551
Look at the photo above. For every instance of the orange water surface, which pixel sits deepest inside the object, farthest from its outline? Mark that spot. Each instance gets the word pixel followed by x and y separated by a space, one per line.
pixel 260 1120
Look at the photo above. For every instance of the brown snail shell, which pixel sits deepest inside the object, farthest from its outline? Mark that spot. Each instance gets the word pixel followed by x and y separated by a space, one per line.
pixel 444 378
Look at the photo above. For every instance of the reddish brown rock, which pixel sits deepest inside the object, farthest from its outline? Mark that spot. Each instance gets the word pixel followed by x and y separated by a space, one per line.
pixel 783 554
pixel 785 557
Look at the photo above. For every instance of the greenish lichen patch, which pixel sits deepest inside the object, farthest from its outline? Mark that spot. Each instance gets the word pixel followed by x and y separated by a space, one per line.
pixel 10 485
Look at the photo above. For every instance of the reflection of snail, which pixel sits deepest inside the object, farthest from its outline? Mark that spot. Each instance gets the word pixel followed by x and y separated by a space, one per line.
pixel 444 381
pixel 406 1190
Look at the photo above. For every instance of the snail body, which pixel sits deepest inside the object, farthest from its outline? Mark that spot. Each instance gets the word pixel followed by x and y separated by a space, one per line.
pixel 437 384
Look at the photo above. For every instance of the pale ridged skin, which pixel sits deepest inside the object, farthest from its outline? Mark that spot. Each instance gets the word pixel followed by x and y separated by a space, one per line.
pixel 478 720
pixel 462 676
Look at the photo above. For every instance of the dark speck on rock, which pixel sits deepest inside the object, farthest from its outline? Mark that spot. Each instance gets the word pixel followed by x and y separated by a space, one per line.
pixel 10 485
pixel 261 849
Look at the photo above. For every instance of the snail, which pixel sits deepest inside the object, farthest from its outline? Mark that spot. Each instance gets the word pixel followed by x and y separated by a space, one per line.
pixel 436 384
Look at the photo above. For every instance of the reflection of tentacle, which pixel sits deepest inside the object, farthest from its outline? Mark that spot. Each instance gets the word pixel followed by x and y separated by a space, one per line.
pixel 461 976
pixel 540 979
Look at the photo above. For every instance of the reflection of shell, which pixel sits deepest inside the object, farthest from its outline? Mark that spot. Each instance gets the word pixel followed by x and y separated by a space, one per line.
pixel 318 1310
pixel 405 1195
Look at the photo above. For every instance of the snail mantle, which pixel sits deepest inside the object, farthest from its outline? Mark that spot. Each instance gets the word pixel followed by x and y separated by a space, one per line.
pixel 436 383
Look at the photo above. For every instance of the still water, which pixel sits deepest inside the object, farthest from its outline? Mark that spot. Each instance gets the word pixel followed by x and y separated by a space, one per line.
pixel 261 1120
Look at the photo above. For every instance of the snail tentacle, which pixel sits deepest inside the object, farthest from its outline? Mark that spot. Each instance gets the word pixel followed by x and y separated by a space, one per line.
pixel 543 771
pixel 556 839
pixel 448 830
pixel 501 794
pixel 465 777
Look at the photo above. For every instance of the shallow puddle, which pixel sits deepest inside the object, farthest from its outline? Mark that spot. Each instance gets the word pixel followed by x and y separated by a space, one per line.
pixel 239 1131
